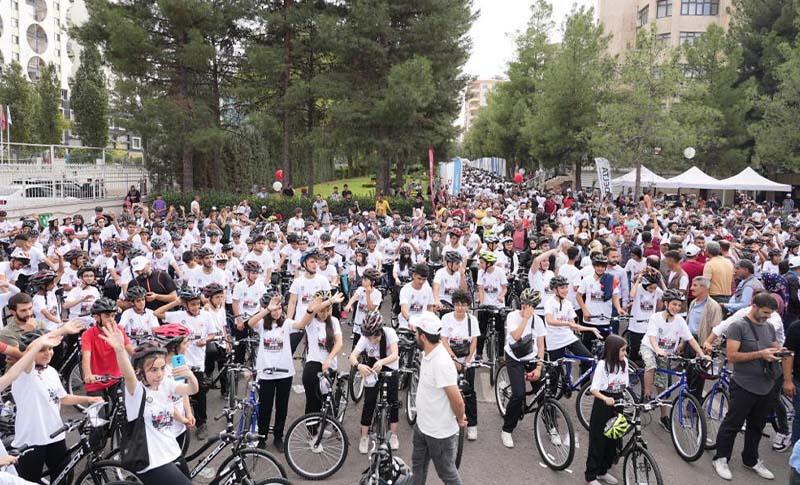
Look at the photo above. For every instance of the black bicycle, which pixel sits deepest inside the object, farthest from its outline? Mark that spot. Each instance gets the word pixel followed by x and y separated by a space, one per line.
pixel 409 371
pixel 639 467
pixel 381 452
pixel 496 314
pixel 466 392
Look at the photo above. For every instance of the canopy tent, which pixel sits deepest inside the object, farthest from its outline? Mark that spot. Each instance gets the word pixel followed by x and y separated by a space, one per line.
pixel 694 178
pixel 647 179
pixel 749 179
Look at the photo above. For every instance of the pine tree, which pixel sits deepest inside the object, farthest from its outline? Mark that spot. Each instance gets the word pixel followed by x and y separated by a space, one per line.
pixel 89 99
pixel 50 123
pixel 18 94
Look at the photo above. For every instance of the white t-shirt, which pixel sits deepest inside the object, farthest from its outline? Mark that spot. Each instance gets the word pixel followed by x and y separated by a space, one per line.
pixel 249 296
pixel 492 282
pixel 435 417
pixel 136 324
pixel 162 448
pixel 668 334
pixel 38 395
pixel 459 332
pixel 643 307
pixel 164 262
pixel 315 332
pixel 361 306
pixel 274 350
pixel 559 337
pixel 448 283
pixel 264 259
pixel 417 301
pixel 177 427
pixel 573 275
pixel 305 287
pixel 198 328
pixel 83 307
pixel 534 326
pixel 47 302
pixel 374 350
pixel 592 292
pixel 199 279
pixel 612 382
pixel 540 281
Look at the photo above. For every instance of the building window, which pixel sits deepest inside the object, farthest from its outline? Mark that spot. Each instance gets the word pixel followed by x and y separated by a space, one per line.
pixel 663 8
pixel 689 37
pixel 643 15
pixel 699 7
pixel 136 143
pixel 15 22
pixel 663 38
pixel 15 55
pixel 15 5
pixel 15 39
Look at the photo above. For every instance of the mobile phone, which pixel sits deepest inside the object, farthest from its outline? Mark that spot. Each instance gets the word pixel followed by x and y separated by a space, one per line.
pixel 783 353
pixel 179 360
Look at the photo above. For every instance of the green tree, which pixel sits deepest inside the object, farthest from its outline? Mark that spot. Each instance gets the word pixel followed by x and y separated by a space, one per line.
pixel 17 93
pixel 49 122
pixel 89 99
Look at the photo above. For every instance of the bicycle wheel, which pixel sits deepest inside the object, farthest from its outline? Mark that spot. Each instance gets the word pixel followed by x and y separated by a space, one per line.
pixel 257 464
pixel 502 389
pixel 491 356
pixel 555 436
pixel 640 468
pixel 460 451
pixel 274 481
pixel 688 427
pixel 305 457
pixel 356 385
pixel 715 406
pixel 75 384
pixel 635 380
pixel 583 404
pixel 411 399
pixel 106 471
pixel 340 397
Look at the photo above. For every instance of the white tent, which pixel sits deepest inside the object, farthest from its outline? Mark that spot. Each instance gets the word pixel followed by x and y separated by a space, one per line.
pixel 749 179
pixel 648 179
pixel 694 178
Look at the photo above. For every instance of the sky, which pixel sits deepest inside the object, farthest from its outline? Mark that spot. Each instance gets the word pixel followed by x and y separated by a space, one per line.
pixel 493 31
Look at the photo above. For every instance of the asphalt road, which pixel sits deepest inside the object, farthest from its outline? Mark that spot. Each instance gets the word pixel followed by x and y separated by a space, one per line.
pixel 486 461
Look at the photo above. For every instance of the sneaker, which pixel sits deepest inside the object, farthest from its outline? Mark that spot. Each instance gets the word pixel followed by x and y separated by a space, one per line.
pixel 665 423
pixel 781 442
pixel 472 433
pixel 202 432
pixel 508 441
pixel 363 445
pixel 761 470
pixel 608 478
pixel 278 443
pixel 721 467
pixel 394 442
pixel 593 482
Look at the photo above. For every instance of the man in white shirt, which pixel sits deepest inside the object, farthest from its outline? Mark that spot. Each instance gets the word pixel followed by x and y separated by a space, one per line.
pixel 440 407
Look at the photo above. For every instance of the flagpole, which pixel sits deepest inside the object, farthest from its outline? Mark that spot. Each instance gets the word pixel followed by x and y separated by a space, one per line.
pixel 2 117
pixel 8 131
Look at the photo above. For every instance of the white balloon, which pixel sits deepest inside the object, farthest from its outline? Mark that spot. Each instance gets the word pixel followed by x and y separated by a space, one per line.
pixel 522 171
pixel 689 153
pixel 277 186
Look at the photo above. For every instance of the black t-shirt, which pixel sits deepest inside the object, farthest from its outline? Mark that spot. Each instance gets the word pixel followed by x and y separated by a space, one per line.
pixel 793 343
pixel 160 283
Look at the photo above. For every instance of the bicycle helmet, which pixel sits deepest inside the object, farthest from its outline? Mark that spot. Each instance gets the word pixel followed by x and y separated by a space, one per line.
pixel 221 258
pixel 268 295
pixel 648 280
pixel 558 282
pixel 324 294
pixel 599 260
pixel 405 251
pixel 311 253
pixel 488 257
pixel 616 427
pixel 203 252
pixel 187 294
pixel 27 338
pixel 156 244
pixel 492 240
pixel 123 245
pixel 452 257
pixel 227 247
pixel 530 297
pixel 104 305
pixel 792 243
pixel 170 333
pixel 42 278
pixel 385 232
pixel 136 252
pixel 774 252
pixel 373 323
pixel 86 268
pixel 672 294
pixel 362 251
pixel 175 236
pixel 94 230
pixel 212 289
pixel 21 256
pixel 455 231
pixel 372 274
pixel 135 293
pixel 56 235
pixel 72 255
pixel 108 244
pixel 252 267
pixel 144 352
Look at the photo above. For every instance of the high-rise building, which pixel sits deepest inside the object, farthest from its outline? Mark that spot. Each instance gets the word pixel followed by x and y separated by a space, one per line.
pixel 476 97
pixel 677 21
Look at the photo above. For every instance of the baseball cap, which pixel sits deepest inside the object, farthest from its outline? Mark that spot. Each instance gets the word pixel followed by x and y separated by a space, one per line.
pixel 794 262
pixel 139 263
pixel 428 322
pixel 692 250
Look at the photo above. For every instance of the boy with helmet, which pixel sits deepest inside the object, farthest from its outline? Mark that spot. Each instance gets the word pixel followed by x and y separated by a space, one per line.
pixel 598 292
pixel 559 318
pixel 303 289
pixel 416 296
pixel 366 298
pixel 379 343
pixel 138 321
pixel 263 257
pixel 79 300
pixel 492 287
pixel 45 302
pixel 207 272
pixel 665 331
pixel 645 301
pixel 97 357
pixel 449 279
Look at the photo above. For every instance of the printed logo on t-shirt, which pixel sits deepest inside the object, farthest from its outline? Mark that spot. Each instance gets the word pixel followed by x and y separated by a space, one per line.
pixel 415 307
pixel 273 344
pixel 162 419
pixel 52 395
pixel 491 289
pixel 646 306
pixel 323 342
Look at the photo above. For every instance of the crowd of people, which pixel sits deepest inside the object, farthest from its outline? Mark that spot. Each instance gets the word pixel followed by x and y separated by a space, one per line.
pixel 150 284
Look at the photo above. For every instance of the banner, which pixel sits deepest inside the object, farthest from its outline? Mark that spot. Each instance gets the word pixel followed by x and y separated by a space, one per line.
pixel 457 175
pixel 430 176
pixel 603 175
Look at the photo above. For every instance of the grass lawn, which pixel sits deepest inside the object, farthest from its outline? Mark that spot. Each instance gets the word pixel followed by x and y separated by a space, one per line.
pixel 356 186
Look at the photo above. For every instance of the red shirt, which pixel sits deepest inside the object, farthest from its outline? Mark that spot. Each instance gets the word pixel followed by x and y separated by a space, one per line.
pixel 654 249
pixel 103 360
pixel 692 269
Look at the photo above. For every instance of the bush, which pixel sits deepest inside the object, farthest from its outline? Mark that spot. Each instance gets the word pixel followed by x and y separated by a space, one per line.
pixel 278 204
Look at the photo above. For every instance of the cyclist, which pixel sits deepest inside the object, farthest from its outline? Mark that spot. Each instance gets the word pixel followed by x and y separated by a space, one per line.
pixel 174 338
pixel 492 287
pixel 559 317
pixel 79 300
pixel 609 379
pixel 138 321
pixel 460 332
pixel 46 307
pixel 416 296
pixel 645 300
pixel 539 277
pixel 448 279
pixel 39 387
pixel 302 291
pixel 401 272
pixel 216 351
pixel 148 391
pixel 274 351
pixel 380 346
pixel 246 294
pixel 665 331
pixel 366 298
pixel 524 346
pixel 598 292
pixel 97 358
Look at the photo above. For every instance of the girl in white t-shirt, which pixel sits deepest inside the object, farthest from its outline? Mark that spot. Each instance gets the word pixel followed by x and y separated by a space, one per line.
pixel 366 298
pixel 148 388
pixel 380 346
pixel 559 316
pixel 217 351
pixel 173 337
pixel 274 363
pixel 645 301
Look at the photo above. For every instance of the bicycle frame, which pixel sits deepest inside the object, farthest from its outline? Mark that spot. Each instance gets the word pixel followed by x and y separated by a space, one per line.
pixel 221 445
pixel 583 377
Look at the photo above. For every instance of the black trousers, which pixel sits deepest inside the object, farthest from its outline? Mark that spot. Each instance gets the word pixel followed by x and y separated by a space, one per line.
pixel 693 379
pixel 575 348
pixel 31 465
pixel 516 378
pixel 198 400
pixel 371 400
pixel 294 340
pixel 169 473
pixel 471 399
pixel 484 319
pixel 779 419
pixel 215 357
pixel 239 350
pixel 602 450
pixel 311 386
pixel 273 391
pixel 744 406
pixel 634 344
pixel 588 338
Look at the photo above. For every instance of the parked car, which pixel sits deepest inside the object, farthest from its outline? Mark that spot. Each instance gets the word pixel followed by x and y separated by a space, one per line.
pixel 66 188
pixel 19 196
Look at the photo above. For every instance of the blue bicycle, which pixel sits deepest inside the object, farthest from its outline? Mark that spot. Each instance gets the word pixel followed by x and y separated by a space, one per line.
pixel 248 419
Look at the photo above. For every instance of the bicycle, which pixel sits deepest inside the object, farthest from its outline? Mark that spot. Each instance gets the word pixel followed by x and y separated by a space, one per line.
pixel 356 381
pixel 243 464
pixel 552 426
pixel 379 433
pixel 316 444
pixel 97 471
pixel 409 371
pixel 496 314
pixel 466 392
pixel 639 467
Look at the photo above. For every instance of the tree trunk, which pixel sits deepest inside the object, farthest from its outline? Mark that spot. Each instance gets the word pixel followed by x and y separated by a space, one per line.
pixel 216 160
pixel 188 168
pixel 383 174
pixel 638 186
pixel 400 168
pixel 287 72
pixel 578 168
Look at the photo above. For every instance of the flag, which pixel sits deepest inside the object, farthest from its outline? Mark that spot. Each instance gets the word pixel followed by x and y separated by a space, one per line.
pixel 8 114
pixel 603 175
pixel 2 118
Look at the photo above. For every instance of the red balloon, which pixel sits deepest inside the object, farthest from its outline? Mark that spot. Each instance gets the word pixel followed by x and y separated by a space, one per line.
pixel 279 175
pixel 518 178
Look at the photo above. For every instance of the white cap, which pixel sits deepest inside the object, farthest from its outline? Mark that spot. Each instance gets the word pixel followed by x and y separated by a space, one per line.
pixel 139 263
pixel 794 262
pixel 603 232
pixel 428 322
pixel 18 253
pixel 692 250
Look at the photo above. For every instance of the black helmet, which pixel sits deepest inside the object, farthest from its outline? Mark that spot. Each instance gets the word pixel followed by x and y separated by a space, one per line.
pixel 72 255
pixel 252 267
pixel 156 244
pixel 135 293
pixel 599 259
pixel 42 278
pixel 372 274
pixel 27 338
pixel 453 257
pixel 558 282
pixel 123 245
pixel 104 305
pixel 268 295
pixel 136 252
pixel 145 351
pixel 213 289
pixel 86 268
pixel 187 294
pixel 405 251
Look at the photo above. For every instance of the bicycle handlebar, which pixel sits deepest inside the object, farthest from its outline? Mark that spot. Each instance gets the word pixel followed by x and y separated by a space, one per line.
pixel 644 406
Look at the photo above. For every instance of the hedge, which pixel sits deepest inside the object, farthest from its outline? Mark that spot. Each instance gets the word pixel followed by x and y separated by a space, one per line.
pixel 278 204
